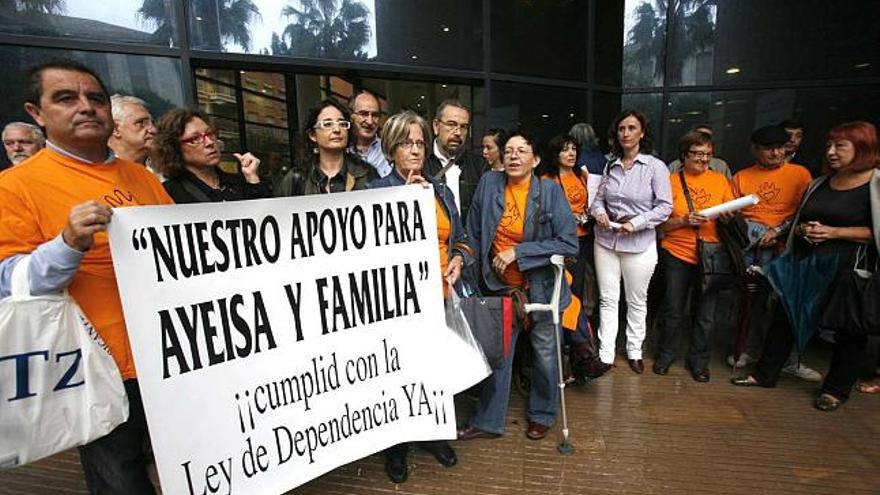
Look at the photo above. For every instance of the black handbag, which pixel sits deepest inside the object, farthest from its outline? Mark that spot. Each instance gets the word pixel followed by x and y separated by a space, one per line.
pixel 492 321
pixel 713 257
pixel 854 306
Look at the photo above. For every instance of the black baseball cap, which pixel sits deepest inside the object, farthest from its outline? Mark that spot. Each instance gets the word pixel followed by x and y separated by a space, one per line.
pixel 770 135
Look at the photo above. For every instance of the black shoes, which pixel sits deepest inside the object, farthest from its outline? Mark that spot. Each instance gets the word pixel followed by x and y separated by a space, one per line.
pixel 747 381
pixel 637 365
pixel 395 466
pixel 701 375
pixel 442 452
pixel 472 433
pixel 660 369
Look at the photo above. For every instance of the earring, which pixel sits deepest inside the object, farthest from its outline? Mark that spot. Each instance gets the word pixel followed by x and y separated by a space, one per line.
pixel 315 150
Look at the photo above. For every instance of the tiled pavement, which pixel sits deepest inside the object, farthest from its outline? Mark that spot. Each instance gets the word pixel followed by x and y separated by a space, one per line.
pixel 632 434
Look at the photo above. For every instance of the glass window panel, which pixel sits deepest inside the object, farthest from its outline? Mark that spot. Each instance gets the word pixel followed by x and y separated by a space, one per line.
pixel 608 55
pixel 267 83
pixel 217 99
pixel 272 146
pixel 543 110
pixel 753 40
pixel 644 39
pixel 606 106
pixel 446 34
pixel 156 80
pixel 127 21
pixel 524 32
pixel 260 110
pixel 735 114
pixel 226 76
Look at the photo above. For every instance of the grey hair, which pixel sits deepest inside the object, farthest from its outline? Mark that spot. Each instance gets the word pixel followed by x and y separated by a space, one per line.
pixel 36 132
pixel 584 134
pixel 118 102
pixel 450 102
pixel 396 131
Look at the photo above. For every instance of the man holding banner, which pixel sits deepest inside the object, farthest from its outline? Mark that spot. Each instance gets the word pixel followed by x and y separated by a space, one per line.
pixel 56 209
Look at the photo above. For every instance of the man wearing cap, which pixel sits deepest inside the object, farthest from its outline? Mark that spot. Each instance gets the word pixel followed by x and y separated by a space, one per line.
pixel 779 186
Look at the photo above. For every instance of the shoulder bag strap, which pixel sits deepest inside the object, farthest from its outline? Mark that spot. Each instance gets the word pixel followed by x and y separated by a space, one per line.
pixel 687 197
pixel 537 217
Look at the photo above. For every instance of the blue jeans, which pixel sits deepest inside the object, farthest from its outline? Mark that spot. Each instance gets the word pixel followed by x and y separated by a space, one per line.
pixel 544 394
pixel 117 462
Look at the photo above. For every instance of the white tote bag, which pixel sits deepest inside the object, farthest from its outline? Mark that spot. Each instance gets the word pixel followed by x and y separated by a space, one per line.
pixel 59 385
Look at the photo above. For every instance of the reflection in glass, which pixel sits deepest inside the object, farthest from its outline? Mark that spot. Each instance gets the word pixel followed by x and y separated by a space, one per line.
pixel 217 99
pixel 693 42
pixel 262 110
pixel 559 26
pixel 226 76
pixel 272 146
pixel 128 21
pixel 216 24
pixel 446 34
pixel 545 111
pixel 156 80
pixel 644 43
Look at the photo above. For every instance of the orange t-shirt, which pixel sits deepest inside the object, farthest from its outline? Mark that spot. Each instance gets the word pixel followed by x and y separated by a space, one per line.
pixel 35 201
pixel 575 192
pixel 444 230
pixel 779 191
pixel 707 189
pixel 510 229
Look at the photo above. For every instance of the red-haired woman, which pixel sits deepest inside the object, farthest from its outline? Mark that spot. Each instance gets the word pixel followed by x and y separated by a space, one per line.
pixel 839 214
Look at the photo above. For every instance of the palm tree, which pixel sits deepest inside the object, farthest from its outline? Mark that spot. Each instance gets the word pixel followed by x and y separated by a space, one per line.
pixel 216 21
pixel 694 32
pixel 33 6
pixel 321 29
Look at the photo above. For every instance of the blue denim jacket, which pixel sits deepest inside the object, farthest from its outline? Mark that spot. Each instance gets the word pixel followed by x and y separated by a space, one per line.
pixel 556 234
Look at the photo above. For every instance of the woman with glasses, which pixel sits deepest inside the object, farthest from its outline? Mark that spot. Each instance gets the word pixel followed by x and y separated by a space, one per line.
pixel 326 164
pixel 405 138
pixel 694 188
pixel 517 222
pixel 631 201
pixel 187 152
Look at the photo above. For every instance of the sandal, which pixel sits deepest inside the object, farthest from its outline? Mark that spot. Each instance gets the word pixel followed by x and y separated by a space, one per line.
pixel 827 402
pixel 869 387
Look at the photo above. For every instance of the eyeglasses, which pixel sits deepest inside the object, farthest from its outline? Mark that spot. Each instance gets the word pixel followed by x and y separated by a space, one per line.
pixel 409 143
pixel 455 126
pixel 517 151
pixel 143 123
pixel 701 155
pixel 330 124
pixel 365 113
pixel 200 138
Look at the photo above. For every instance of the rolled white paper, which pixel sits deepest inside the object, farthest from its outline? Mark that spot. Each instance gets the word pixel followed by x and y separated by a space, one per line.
pixel 730 206
pixel 614 225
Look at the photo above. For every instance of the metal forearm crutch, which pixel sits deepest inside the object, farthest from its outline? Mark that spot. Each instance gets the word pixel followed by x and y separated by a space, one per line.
pixel 565 447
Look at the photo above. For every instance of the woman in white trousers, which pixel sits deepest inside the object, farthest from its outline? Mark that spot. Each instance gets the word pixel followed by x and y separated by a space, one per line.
pixel 633 198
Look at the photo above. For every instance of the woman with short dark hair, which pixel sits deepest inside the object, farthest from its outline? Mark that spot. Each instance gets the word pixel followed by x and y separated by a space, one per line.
pixel 326 165
pixel 187 152
pixel 688 236
pixel 516 223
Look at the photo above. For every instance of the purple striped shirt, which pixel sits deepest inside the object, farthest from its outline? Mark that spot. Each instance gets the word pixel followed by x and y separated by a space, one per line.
pixel 642 194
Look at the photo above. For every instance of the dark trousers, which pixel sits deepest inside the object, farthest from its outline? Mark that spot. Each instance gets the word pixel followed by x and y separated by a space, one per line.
pixel 117 462
pixel 846 358
pixel 583 275
pixel 400 450
pixel 681 280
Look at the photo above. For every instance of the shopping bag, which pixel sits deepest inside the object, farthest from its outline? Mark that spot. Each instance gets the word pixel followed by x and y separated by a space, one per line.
pixel 458 347
pixel 59 385
pixel 492 321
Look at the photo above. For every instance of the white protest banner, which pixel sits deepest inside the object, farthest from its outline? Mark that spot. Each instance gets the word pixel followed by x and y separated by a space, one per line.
pixel 277 339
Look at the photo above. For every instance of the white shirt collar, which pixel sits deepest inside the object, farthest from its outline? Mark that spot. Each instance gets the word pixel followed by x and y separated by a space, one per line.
pixel 61 151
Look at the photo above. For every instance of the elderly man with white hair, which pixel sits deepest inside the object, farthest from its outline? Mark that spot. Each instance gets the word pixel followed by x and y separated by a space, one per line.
pixel 133 130
pixel 21 141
